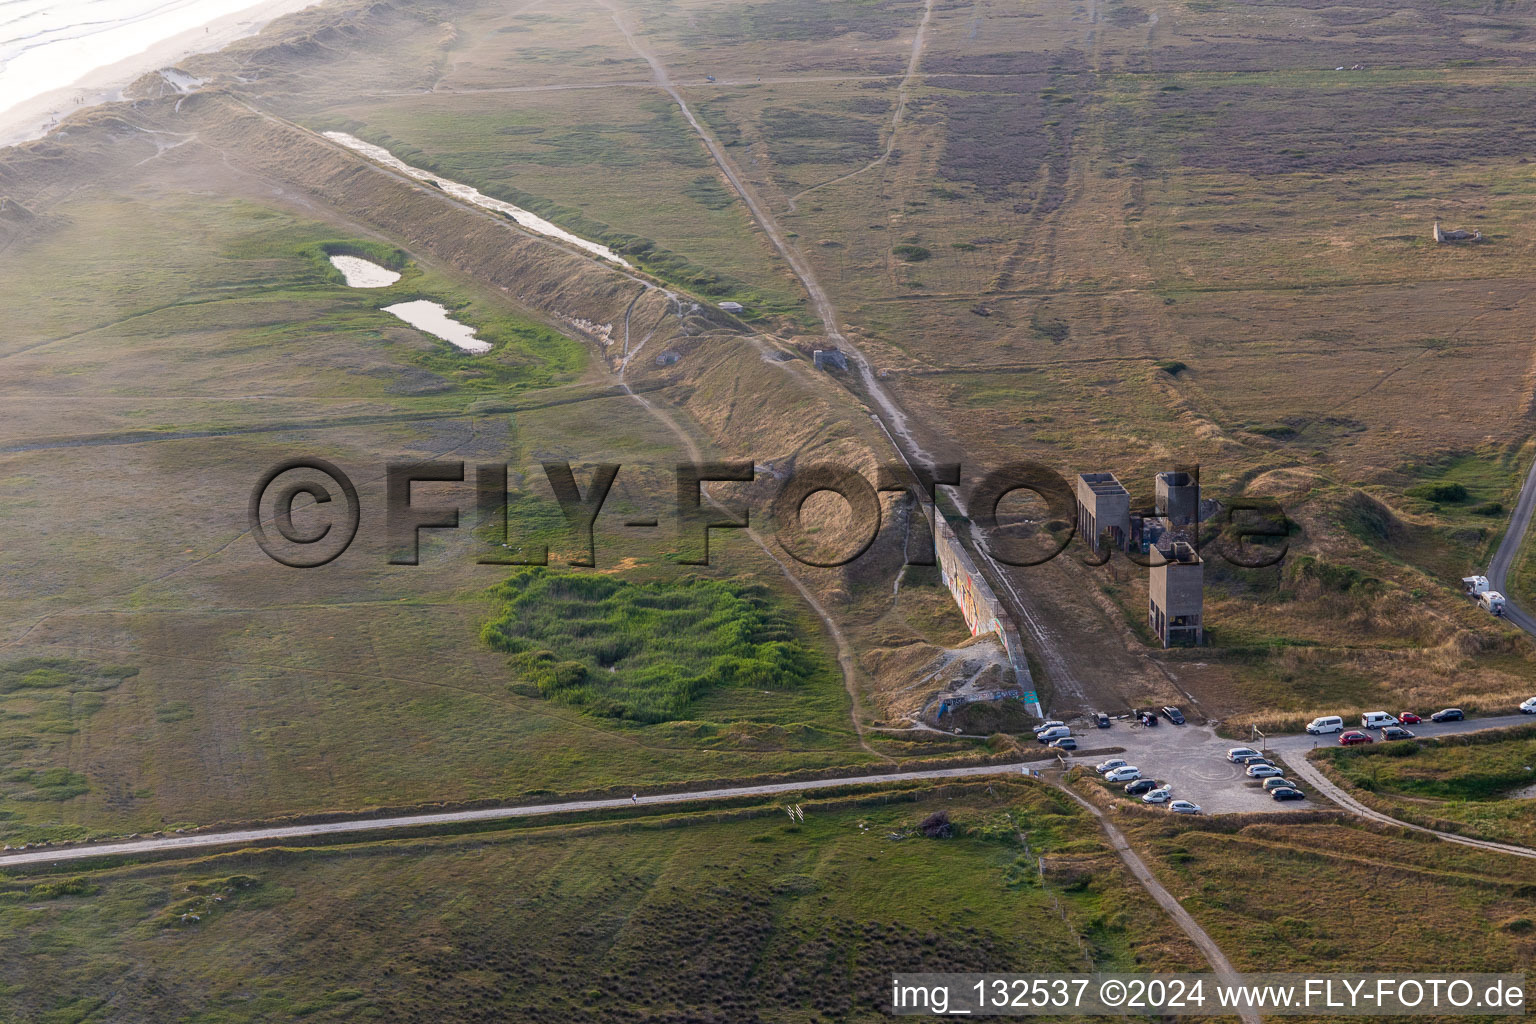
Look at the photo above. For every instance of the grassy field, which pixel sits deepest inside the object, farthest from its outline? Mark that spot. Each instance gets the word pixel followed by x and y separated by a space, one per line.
pixel 165 671
pixel 1479 785
pixel 736 913
pixel 1299 897
pixel 1162 252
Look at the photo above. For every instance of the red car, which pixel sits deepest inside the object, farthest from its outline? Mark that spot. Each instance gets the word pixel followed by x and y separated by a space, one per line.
pixel 1409 718
pixel 1353 737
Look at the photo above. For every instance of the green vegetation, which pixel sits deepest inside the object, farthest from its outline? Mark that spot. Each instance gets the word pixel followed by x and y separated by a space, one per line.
pixel 911 253
pixel 392 257
pixel 1445 492
pixel 643 651
pixel 1479 784
pixel 1451 768
pixel 1328 575
pixel 44 701
pixel 722 914
pixel 666 141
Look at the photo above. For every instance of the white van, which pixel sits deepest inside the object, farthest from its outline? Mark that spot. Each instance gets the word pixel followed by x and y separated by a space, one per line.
pixel 1376 720
pixel 1055 732
pixel 1326 724
pixel 1492 602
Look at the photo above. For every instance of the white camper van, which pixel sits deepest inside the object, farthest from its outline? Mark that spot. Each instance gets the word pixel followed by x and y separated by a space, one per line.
pixel 1376 720
pixel 1475 585
pixel 1491 601
pixel 1326 724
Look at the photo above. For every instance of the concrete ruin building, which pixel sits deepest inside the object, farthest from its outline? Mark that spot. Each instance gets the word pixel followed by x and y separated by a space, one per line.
pixel 1103 505
pixel 1168 536
pixel 1178 498
pixel 1176 595
pixel 1457 235
pixel 829 359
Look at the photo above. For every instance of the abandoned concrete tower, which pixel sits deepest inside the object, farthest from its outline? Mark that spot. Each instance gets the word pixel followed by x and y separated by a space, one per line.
pixel 1178 498
pixel 1176 595
pixel 1103 506
pixel 1167 533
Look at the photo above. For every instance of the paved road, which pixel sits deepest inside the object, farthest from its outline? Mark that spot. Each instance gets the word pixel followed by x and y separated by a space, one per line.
pixel 1509 547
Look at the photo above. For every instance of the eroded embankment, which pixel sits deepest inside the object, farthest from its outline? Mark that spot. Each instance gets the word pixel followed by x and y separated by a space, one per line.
pixel 740 395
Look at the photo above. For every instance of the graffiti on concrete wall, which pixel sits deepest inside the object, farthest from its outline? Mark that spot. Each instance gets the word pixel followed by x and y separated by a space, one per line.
pixel 983 613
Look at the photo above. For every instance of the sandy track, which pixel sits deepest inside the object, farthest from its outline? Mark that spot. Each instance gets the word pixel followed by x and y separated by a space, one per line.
pixel 275 834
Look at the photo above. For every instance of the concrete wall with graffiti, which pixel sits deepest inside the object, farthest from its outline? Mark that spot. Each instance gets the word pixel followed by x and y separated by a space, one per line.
pixel 980 606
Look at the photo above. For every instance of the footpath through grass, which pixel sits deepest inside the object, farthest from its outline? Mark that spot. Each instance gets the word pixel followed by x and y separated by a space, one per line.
pixel 723 915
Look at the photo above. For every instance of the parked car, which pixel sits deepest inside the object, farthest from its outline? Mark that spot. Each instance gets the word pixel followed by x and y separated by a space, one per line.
pixel 1353 737
pixel 1249 762
pixel 1055 732
pixel 1396 732
pixel 1278 782
pixel 1287 793
pixel 1139 787
pixel 1101 720
pixel 1409 718
pixel 1447 715
pixel 1238 752
pixel 1263 771
pixel 1183 807
pixel 1110 765
pixel 1052 724
pixel 1125 773
pixel 1528 707
pixel 1065 743
pixel 1376 720
pixel 1157 796
pixel 1173 715
pixel 1147 718
pixel 1325 724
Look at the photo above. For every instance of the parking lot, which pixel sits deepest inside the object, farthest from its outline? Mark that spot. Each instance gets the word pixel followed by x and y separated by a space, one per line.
pixel 1192 759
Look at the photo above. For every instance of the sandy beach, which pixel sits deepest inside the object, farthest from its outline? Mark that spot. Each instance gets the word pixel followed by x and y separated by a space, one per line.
pixel 33 117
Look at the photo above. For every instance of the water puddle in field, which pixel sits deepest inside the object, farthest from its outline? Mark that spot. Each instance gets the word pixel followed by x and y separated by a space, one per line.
pixel 361 273
pixel 531 221
pixel 433 318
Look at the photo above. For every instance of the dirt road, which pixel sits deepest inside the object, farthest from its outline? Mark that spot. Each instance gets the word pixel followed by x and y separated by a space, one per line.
pixel 887 412
pixel 57 854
